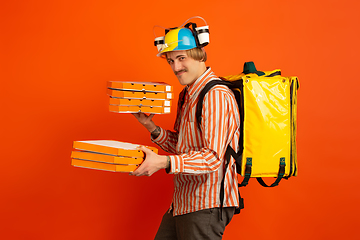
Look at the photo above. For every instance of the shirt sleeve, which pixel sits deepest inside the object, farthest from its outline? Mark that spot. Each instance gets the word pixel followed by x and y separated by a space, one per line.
pixel 167 140
pixel 220 122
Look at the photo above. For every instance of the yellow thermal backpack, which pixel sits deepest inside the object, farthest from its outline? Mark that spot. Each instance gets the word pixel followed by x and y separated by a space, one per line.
pixel 267 105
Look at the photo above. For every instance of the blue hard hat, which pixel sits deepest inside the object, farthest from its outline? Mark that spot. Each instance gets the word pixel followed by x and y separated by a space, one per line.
pixel 177 40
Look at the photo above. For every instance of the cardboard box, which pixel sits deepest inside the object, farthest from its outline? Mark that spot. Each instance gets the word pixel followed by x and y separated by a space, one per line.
pixel 136 109
pixel 103 166
pixel 139 102
pixel 139 95
pixel 106 158
pixel 140 86
pixel 111 147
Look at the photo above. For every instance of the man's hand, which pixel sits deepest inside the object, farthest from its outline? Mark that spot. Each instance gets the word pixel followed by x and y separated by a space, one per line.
pixel 145 120
pixel 152 163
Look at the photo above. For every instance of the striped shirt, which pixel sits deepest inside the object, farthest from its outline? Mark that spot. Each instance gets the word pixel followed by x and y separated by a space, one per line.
pixel 198 160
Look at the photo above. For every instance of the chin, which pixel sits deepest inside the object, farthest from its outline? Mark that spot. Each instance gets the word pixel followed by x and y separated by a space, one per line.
pixel 182 81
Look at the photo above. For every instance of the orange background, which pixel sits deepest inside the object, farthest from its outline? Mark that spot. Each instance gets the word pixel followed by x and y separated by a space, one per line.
pixel 56 57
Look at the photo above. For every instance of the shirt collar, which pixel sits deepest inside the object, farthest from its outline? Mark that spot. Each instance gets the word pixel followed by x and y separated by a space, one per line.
pixel 196 86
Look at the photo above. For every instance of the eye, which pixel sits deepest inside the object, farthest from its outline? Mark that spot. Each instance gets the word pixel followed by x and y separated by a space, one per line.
pixel 182 58
pixel 170 61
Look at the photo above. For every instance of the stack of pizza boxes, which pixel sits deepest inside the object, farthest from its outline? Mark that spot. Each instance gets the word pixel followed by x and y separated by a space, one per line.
pixel 107 155
pixel 135 97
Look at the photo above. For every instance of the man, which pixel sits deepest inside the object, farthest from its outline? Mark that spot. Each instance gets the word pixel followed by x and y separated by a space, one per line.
pixel 197 159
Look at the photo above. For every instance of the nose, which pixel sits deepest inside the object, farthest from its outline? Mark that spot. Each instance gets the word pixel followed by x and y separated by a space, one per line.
pixel 177 65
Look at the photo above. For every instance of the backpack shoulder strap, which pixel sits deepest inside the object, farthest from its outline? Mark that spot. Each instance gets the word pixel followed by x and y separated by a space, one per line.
pixel 229 150
pixel 202 94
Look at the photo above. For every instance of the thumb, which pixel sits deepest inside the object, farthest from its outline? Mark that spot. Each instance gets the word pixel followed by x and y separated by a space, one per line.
pixel 145 149
pixel 149 118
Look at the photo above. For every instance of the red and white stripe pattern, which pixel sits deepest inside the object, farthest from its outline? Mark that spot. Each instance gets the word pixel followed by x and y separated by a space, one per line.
pixel 198 163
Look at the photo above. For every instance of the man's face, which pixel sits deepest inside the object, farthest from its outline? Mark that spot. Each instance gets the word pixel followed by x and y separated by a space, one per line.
pixel 186 69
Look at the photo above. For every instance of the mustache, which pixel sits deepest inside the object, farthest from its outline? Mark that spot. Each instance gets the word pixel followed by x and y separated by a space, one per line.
pixel 180 71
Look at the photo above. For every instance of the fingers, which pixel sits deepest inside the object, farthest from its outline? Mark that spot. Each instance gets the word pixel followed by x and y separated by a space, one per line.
pixel 138 116
pixel 143 169
pixel 143 118
pixel 138 172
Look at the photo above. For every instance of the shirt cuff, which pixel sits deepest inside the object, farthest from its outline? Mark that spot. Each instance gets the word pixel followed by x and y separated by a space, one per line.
pixel 176 164
pixel 161 139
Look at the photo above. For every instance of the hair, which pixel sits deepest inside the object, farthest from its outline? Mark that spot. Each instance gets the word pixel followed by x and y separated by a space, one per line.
pixel 198 54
